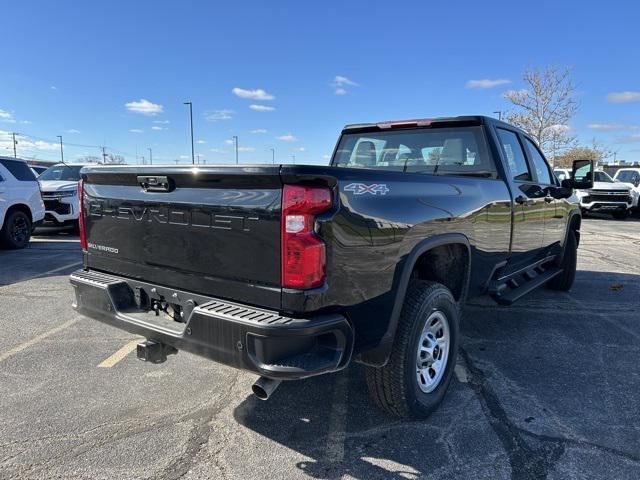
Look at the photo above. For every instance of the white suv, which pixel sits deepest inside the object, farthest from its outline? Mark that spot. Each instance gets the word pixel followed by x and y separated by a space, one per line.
pixel 21 205
pixel 606 196
pixel 631 178
pixel 59 185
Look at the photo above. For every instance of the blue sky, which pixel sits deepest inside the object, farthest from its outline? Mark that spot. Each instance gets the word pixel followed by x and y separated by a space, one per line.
pixel 117 73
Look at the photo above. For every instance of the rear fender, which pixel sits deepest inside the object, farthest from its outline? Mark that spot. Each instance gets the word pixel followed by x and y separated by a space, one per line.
pixel 379 355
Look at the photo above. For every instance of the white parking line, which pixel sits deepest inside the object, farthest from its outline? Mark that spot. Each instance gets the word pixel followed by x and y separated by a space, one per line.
pixel 37 339
pixel 55 270
pixel 338 419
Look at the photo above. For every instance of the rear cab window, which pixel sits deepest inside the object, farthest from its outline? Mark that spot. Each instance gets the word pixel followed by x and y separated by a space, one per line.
pixel 436 151
pixel 20 170
pixel 513 153
pixel 543 173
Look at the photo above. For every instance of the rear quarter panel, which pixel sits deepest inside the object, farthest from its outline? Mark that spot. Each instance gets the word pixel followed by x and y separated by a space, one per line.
pixel 371 234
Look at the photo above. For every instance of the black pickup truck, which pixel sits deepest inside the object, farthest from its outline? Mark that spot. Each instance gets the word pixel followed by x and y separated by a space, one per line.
pixel 291 271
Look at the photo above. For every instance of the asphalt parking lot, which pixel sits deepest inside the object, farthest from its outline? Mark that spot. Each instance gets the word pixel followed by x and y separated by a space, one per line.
pixel 547 388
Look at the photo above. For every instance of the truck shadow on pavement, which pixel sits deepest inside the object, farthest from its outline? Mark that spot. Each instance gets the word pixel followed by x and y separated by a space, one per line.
pixel 529 398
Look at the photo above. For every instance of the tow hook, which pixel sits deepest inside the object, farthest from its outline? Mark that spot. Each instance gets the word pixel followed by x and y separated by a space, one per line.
pixel 154 352
pixel 264 387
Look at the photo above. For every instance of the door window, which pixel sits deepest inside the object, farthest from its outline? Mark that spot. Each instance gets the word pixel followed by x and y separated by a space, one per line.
pixel 539 163
pixel 515 156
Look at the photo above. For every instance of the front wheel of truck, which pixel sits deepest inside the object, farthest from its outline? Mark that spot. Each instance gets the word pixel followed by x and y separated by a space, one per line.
pixel 416 377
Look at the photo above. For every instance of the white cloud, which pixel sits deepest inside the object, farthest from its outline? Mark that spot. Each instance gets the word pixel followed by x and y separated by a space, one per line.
pixel 326 157
pixel 185 157
pixel 607 126
pixel 230 141
pixel 300 149
pixel 53 87
pixel 629 138
pixel 6 116
pixel 136 130
pixel 73 130
pixel 623 97
pixel 259 130
pixel 218 150
pixel 517 93
pixel 559 128
pixel 200 142
pixel 25 144
pixel 287 138
pixel 486 83
pixel 162 122
pixel 257 94
pixel 261 108
pixel 246 149
pixel 157 128
pixel 217 115
pixel 340 81
pixel 26 122
pixel 144 107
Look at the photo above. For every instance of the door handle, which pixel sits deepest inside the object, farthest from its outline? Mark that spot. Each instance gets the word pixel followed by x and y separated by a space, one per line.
pixel 522 200
pixel 548 199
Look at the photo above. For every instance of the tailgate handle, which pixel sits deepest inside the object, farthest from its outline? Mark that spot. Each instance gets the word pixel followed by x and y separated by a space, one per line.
pixel 155 183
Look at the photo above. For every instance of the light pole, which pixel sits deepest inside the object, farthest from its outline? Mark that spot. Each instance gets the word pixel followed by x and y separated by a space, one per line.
pixel 61 151
pixel 273 156
pixel 294 159
pixel 235 137
pixel 193 157
pixel 15 153
pixel 150 156
pixel 499 112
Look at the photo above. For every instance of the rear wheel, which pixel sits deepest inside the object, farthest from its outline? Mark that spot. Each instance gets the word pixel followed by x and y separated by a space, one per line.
pixel 564 281
pixel 16 231
pixel 419 370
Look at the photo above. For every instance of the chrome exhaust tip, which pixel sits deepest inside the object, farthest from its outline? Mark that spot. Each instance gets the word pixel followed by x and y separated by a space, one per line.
pixel 264 387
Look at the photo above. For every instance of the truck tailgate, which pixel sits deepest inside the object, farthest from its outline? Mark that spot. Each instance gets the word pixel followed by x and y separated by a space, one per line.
pixel 214 232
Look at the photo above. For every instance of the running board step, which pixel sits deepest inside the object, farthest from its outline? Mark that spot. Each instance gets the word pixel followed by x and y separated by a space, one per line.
pixel 509 291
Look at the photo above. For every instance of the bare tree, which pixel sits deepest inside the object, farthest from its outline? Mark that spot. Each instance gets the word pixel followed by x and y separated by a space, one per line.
pixel 596 152
pixel 545 107
pixel 89 159
pixel 114 159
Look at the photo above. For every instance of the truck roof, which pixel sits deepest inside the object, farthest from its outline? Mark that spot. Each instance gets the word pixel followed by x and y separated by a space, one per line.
pixel 426 122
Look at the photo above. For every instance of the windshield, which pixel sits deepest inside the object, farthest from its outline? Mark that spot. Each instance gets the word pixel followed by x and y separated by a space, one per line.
pixel 453 151
pixel 602 177
pixel 627 176
pixel 61 172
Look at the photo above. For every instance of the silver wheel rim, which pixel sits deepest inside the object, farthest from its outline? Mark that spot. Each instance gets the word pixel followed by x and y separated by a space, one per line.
pixel 433 351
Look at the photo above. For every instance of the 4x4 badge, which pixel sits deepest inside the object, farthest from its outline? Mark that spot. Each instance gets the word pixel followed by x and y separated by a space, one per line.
pixel 362 188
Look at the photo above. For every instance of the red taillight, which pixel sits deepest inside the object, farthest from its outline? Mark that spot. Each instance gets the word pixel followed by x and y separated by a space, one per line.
pixel 83 235
pixel 303 253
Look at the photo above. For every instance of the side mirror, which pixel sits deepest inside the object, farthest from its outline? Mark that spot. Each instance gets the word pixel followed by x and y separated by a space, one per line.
pixel 582 174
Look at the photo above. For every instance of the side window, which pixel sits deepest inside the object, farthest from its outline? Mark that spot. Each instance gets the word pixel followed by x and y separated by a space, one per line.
pixel 514 155
pixel 539 163
pixel 20 170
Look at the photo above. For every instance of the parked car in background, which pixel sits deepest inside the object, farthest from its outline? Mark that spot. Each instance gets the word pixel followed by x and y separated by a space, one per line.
pixel 21 205
pixel 606 196
pixel 630 177
pixel 38 170
pixel 59 185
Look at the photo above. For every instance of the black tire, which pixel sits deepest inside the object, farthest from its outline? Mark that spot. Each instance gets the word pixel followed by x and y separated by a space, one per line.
pixel 16 231
pixel 564 281
pixel 394 387
pixel 622 215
